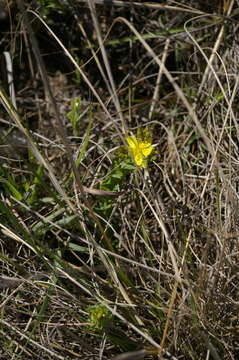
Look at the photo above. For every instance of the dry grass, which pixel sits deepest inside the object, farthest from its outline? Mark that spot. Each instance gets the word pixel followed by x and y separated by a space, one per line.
pixel 151 269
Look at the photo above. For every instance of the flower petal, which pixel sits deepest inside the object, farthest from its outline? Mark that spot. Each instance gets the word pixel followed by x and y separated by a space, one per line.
pixel 138 157
pixel 133 143
pixel 146 148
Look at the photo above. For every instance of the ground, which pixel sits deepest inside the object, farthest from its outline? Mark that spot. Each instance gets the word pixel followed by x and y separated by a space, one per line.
pixel 118 180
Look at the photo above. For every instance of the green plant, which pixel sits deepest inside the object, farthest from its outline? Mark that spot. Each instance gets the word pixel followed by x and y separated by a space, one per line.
pixel 99 316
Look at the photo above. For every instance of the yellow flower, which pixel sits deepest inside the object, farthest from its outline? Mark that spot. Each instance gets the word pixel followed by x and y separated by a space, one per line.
pixel 140 147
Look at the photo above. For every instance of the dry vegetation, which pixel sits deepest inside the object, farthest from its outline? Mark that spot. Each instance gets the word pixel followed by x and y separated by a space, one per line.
pixel 152 270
